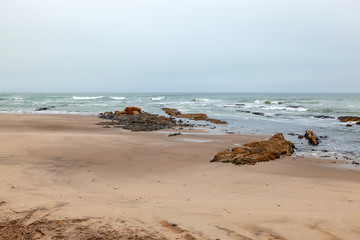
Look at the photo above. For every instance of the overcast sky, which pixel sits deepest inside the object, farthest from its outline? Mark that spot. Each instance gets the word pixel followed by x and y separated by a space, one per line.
pixel 180 45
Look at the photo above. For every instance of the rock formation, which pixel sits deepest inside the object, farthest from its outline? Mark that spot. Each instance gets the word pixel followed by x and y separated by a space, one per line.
pixel 132 118
pixel 349 119
pixel 173 112
pixel 131 110
pixel 254 152
pixel 310 136
pixel 194 116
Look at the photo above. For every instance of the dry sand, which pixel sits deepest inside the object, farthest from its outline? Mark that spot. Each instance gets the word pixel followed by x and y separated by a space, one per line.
pixel 64 177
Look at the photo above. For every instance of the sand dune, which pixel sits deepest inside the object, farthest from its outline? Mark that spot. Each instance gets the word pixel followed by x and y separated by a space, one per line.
pixel 62 176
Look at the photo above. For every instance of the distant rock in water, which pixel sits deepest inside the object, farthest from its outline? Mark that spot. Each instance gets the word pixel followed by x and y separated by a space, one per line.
pixel 310 136
pixel 349 119
pixel 258 113
pixel 173 112
pixel 323 117
pixel 254 152
pixel 44 108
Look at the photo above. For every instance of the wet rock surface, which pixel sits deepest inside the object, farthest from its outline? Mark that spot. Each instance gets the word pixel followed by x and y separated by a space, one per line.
pixel 323 117
pixel 44 108
pixel 173 112
pixel 349 119
pixel 138 122
pixel 134 119
pixel 310 136
pixel 254 152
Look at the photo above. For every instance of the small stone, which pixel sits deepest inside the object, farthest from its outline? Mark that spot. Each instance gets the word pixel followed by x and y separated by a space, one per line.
pixel 174 134
pixel 310 136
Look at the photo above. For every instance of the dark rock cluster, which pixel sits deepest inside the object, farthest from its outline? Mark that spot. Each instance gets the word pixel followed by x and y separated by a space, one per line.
pixel 134 119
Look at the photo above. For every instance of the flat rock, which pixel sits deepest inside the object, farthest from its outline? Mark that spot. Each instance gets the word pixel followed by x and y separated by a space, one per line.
pixel 173 112
pixel 349 119
pixel 254 152
pixel 137 121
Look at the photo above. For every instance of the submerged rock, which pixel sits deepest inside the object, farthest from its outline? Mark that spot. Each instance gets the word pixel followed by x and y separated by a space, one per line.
pixel 323 117
pixel 310 136
pixel 349 119
pixel 254 152
pixel 44 108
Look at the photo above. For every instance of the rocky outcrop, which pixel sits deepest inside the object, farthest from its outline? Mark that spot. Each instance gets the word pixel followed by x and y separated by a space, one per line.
pixel 216 121
pixel 173 112
pixel 194 116
pixel 310 136
pixel 254 152
pixel 131 110
pixel 349 119
pixel 132 118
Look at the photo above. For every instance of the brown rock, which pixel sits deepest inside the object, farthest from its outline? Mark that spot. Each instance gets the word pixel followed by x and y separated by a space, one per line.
pixel 358 123
pixel 349 119
pixel 310 136
pixel 117 112
pixel 131 110
pixel 171 111
pixel 254 152
pixel 217 121
pixel 194 116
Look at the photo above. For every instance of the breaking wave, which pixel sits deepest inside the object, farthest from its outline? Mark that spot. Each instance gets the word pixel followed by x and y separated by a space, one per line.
pixel 87 98
pixel 118 98
pixel 157 98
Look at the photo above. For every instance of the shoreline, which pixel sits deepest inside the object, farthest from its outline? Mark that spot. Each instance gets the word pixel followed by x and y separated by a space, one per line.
pixel 65 167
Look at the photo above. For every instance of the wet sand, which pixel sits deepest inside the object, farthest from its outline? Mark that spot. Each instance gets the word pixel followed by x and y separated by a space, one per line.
pixel 64 177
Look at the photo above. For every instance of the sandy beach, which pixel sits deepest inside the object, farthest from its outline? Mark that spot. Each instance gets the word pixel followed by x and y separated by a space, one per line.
pixel 64 177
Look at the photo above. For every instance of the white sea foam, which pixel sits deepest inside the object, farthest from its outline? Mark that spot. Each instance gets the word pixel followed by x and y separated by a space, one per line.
pixel 87 98
pixel 118 98
pixel 283 108
pixel 17 98
pixel 299 109
pixel 204 100
pixel 157 98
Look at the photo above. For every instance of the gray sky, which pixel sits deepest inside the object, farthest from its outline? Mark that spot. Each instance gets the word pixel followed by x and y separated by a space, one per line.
pixel 180 45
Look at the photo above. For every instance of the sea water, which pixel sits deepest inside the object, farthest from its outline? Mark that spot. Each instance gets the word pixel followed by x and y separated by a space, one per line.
pixel 245 112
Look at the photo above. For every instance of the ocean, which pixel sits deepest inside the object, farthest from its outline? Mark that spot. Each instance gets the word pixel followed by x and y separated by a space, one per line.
pixel 246 113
